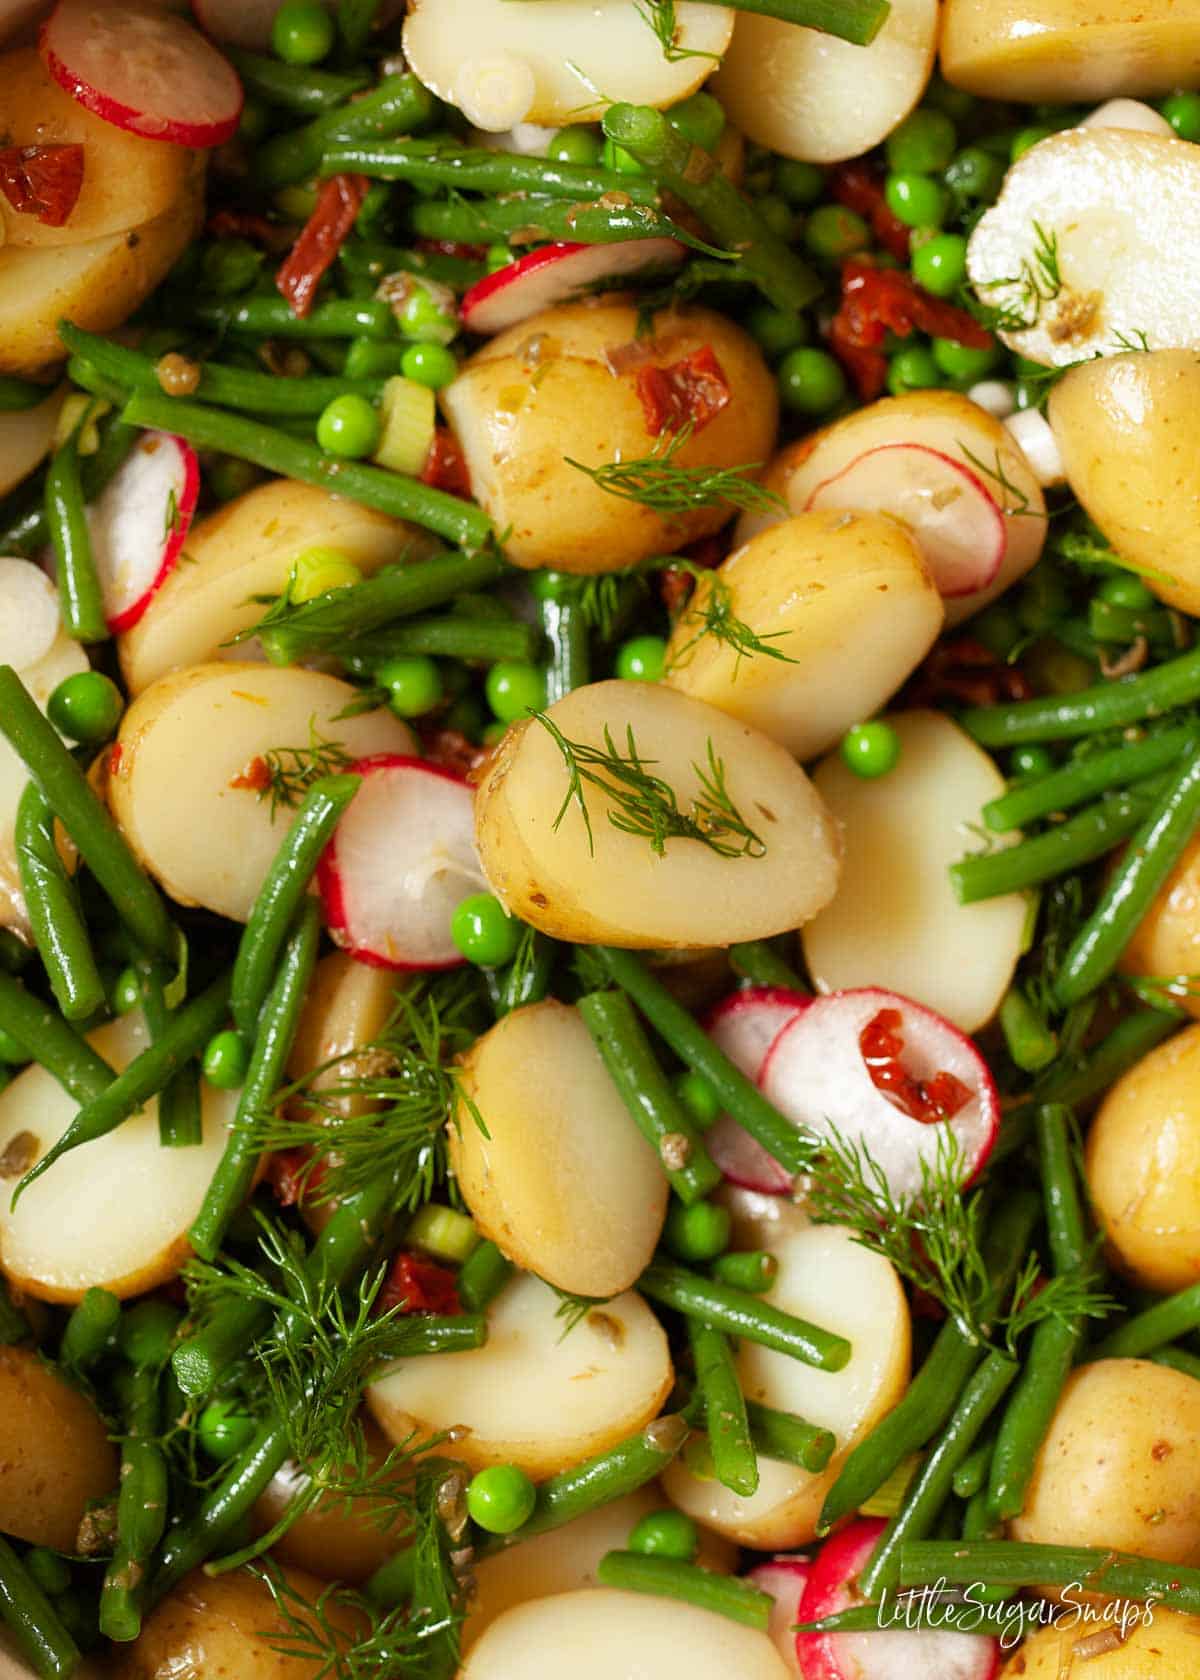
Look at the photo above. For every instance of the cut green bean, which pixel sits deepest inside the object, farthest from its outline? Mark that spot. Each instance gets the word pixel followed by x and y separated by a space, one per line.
pixel 272 317
pixel 972 1473
pixel 17 395
pixel 1088 835
pixel 1028 1039
pixel 141 1510
pixel 482 1276
pixel 743 1315
pixel 180 1118
pixel 1011 1563
pixel 453 636
pixel 791 1439
pixel 1084 778
pixel 734 1460
pixel 1107 705
pixel 754 1270
pixel 1145 1332
pixel 81 599
pixel 52 903
pixel 1177 1359
pixel 306 90
pixel 757 961
pixel 33 1621
pixel 367 261
pixel 910 1614
pixel 437 163
pixel 90 1330
pixel 568 636
pixel 1066 1226
pixel 726 1595
pixel 398 105
pixel 647 1094
pixel 524 221
pixel 222 1508
pixel 523 980
pixel 48 1040
pixel 857 21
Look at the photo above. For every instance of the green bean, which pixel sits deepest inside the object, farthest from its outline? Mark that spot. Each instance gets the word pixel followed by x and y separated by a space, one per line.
pixel 565 627
pixel 272 317
pixel 48 1040
pixel 17 395
pixel 1028 1039
pixel 1010 1563
pixel 858 21
pixel 666 1577
pixel 81 599
pixel 369 260
pixel 355 21
pixel 1123 626
pixel 180 1119
pixel 522 981
pixel 453 636
pixel 757 961
pixel 223 1507
pixel 647 1094
pixel 14 1327
pixel 1081 839
pixel 743 1315
pixel 694 177
pixel 1066 1226
pixel 275 1030
pixel 89 1331
pixel 189 1030
pixel 482 1276
pixel 1177 1359
pixel 70 797
pixel 972 1473
pixel 1169 1319
pixel 14 953
pixel 754 1270
pixel 29 532
pixel 141 1510
pixel 978 1523
pixel 306 91
pixel 436 163
pixel 733 1455
pixel 910 1614
pixel 1106 705
pixel 54 914
pixel 1084 778
pixel 1152 854
pixel 523 221
pixel 391 493
pixel 398 105
pixel 791 1439
pixel 279 897
pixel 33 1621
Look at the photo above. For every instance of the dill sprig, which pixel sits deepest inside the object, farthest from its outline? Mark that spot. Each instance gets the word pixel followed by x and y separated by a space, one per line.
pixel 655 481
pixel 659 16
pixel 573 1309
pixel 1015 503
pixel 710 611
pixel 1037 283
pixel 284 774
pixel 645 805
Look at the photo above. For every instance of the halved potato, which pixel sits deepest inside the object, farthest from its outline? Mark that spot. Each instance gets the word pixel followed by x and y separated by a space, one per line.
pixel 949 425
pixel 812 96
pixel 26 436
pixel 1166 942
pixel 563 63
pixel 603 1635
pixel 610 886
pixel 1084 246
pixel 824 1276
pixel 246 549
pixel 547 392
pixel 1143 1640
pixel 846 598
pixel 562 1180
pixel 55 1451
pixel 537 1394
pixel 895 921
pixel 338 1539
pixel 1125 429
pixel 184 744
pixel 1069 51
pixel 140 1198
pixel 347 1006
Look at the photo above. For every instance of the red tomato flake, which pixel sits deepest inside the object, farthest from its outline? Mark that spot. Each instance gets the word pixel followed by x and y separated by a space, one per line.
pixel 860 188
pixel 115 755
pixel 415 1285
pixel 965 672
pixel 927 1100
pixel 256 776
pixel 42 181
pixel 876 301
pixel 293 1175
pixel 444 466
pixel 321 238
pixel 450 748
pixel 688 392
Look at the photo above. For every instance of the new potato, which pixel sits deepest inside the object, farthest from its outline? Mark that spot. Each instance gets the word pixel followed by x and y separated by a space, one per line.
pixel 1166 942
pixel 336 1538
pixel 26 436
pixel 55 1454
pixel 1159 1645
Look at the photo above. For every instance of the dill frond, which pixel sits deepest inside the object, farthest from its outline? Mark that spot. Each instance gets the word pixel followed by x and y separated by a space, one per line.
pixel 657 482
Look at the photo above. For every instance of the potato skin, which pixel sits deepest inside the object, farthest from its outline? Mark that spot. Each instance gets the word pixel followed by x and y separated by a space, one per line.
pixel 330 1539
pixel 1167 939
pixel 1118 1469
pixel 1143 1166
pixel 55 1455
pixel 1164 1646
pixel 544 391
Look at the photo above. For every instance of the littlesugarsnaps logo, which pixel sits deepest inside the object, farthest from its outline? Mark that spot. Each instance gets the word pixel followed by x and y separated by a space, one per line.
pixel 974 1610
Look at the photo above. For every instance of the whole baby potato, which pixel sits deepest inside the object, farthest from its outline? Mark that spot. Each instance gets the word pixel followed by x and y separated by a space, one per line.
pixel 562 387
pixel 1143 1166
pixel 1166 942
pixel 1131 1642
pixel 1118 1469
pixel 55 1455
pixel 336 1538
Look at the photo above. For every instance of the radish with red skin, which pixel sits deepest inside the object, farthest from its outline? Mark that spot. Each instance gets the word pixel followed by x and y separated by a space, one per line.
pixel 399 861
pixel 816 1074
pixel 744 1026
pixel 138 66
pixel 140 523
pixel 557 274
pixel 894 1653
pixel 785 1578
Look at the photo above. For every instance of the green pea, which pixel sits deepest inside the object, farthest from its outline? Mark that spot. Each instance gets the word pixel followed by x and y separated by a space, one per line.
pixel 960 361
pixel 871 749
pixel 51 1572
pixel 700 119
pixel 224 1428
pixel 10 1051
pixel 1023 139
pixel 698 1097
pixel 498 257
pixel 955 102
pixel 643 659
pixel 230 266
pixel 147 1333
pixel 923 144
pixel 466 716
pixel 1043 599
pixel 302 32
pixel 1030 761
pixel 1182 111
pixel 86 707
pixel 833 231
pixel 430 364
pixel 800 183
pixel 975 173
pixel 912 369
pixel 226 1059
pixel 665 1533
pixel 1125 590
pixel 810 381
pixel 484 932
pixel 514 688
pixel 779 216
pixel 940 264
pixel 425 319
pixel 501 1498
pixel 413 682
pixel 776 331
pixel 697 1233
pixel 916 200
pixel 616 157
pixel 348 427
pixel 998 629
pixel 126 993
pixel 579 143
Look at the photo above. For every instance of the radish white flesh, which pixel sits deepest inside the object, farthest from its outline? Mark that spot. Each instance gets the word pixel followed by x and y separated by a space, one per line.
pixel 948 508
pixel 557 274
pixel 400 860
pixel 785 1578
pixel 891 1655
pixel 817 1076
pixel 744 1026
pixel 141 68
pixel 28 613
pixel 1036 441
pixel 139 524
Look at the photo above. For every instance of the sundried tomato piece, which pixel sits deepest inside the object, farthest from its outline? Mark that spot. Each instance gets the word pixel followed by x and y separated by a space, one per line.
pixel 690 392
pixel 42 181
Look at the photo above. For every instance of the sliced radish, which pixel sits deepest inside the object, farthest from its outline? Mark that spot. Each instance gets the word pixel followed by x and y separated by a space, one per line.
pixel 400 860
pixel 556 274
pixel 785 1578
pixel 949 509
pixel 745 1025
pixel 895 1654
pixel 139 525
pixel 816 1073
pixel 140 67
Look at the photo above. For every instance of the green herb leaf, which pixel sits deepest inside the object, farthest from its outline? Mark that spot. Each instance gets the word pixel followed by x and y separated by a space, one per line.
pixel 655 481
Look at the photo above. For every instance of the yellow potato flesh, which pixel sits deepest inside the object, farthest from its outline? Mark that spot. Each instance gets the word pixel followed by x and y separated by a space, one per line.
pixel 1125 427
pixel 543 393
pixel 618 890
pixel 825 1277
pixel 347 1006
pixel 847 597
pixel 54 1450
pixel 1129 1643
pixel 184 743
pixel 1166 942
pixel 1143 1166
pixel 562 1180
pixel 248 549
pixel 532 1396
pixel 25 438
pixel 140 1197
pixel 895 921
pixel 1069 50
pixel 1118 1468
pixel 336 1538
